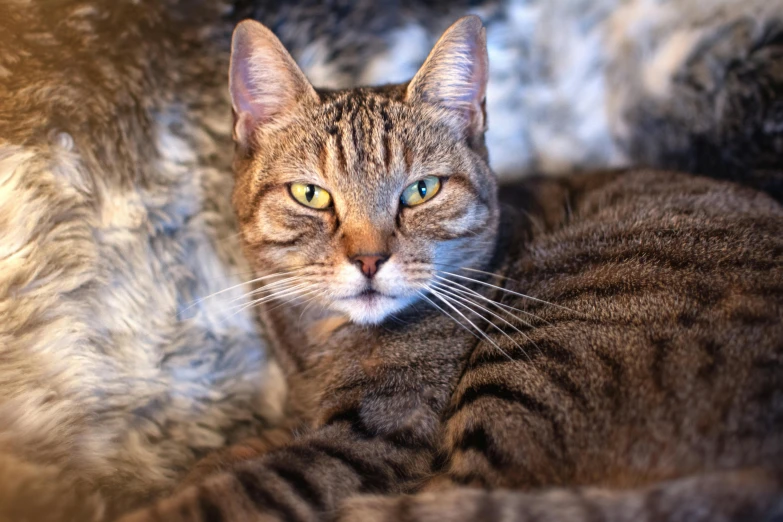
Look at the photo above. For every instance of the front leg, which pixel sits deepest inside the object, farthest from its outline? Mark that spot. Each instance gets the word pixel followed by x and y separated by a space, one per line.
pixel 246 450
pixel 305 481
pixel 377 430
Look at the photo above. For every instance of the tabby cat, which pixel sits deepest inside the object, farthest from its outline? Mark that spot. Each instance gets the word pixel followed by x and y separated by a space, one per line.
pixel 607 347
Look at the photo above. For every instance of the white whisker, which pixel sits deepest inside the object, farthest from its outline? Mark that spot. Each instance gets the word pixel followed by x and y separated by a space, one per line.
pixel 268 288
pixel 307 304
pixel 446 313
pixel 443 288
pixel 239 285
pixel 447 302
pixel 282 293
pixel 466 290
pixel 509 291
pixel 295 297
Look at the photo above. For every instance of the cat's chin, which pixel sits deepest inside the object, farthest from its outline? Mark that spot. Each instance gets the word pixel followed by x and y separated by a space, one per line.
pixel 371 308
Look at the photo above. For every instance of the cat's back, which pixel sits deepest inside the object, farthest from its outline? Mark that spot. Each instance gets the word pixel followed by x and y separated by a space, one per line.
pixel 653 347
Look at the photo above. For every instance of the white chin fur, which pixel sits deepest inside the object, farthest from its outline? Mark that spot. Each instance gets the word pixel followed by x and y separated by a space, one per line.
pixel 374 310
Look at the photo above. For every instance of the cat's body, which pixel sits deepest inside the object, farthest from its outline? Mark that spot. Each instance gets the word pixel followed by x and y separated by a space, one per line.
pixel 657 358
pixel 619 332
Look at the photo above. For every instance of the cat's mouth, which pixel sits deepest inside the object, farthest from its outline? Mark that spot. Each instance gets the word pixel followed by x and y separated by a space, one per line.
pixel 370 306
pixel 369 295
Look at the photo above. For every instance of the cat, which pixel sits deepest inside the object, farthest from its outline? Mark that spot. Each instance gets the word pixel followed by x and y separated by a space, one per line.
pixel 602 347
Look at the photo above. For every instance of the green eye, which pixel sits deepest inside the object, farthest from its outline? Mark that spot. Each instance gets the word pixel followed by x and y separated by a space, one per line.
pixel 421 191
pixel 311 196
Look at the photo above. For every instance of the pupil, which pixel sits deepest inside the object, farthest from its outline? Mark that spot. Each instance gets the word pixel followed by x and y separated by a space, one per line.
pixel 310 192
pixel 422 188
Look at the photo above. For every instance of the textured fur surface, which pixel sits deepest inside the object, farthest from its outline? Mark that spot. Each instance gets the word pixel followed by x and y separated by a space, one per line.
pixel 114 185
pixel 115 215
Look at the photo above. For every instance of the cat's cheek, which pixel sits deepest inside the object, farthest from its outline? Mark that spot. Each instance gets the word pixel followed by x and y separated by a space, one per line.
pixel 346 282
pixel 394 280
pixel 447 221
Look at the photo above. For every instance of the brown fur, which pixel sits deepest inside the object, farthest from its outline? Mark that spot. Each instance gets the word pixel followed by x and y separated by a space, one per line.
pixel 641 381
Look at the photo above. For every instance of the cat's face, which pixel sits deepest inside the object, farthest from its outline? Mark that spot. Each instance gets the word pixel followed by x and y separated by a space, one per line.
pixel 357 198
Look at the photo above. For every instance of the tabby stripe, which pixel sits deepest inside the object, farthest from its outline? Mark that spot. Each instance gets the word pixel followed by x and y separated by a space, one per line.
pixel 339 108
pixel 342 162
pixel 559 321
pixel 543 348
pixel 305 453
pixel 503 393
pixel 612 388
pixel 262 499
pixel 581 262
pixel 405 439
pixel 751 318
pixel 606 290
pixel 562 380
pixel 373 478
pixel 660 349
pixel 387 127
pixel 352 417
pixel 498 391
pixel 769 364
pixel 210 512
pixel 408 158
pixel 476 438
pixel 554 351
pixel 408 439
pixel 439 461
pixel 323 160
pixel 356 123
pixel 455 213
pixel 281 243
pixel 768 290
pixel 451 236
pixel 527 326
pixel 299 483
pixel 464 181
pixel 470 479
pixel 246 217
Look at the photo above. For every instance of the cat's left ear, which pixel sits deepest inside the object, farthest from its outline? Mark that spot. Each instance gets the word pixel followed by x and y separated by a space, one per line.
pixel 454 76
pixel 266 84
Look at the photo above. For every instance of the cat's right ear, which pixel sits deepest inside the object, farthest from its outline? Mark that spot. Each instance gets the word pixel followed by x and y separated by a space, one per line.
pixel 265 83
pixel 454 77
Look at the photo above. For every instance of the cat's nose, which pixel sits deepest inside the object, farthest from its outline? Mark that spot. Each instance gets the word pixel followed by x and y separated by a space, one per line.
pixel 369 264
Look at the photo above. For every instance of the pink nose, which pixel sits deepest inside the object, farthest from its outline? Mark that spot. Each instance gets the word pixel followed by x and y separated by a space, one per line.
pixel 369 264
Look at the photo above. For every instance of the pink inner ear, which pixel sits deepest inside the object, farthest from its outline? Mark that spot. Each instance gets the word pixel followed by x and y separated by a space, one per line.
pixel 265 82
pixel 455 75
pixel 247 112
pixel 247 92
pixel 239 91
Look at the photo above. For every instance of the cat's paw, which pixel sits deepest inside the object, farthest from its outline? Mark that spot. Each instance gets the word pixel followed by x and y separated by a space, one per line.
pixel 367 508
pixel 226 458
pixel 220 497
pixel 448 506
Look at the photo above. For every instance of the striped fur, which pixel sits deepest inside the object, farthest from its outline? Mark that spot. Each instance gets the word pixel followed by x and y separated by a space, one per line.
pixel 641 381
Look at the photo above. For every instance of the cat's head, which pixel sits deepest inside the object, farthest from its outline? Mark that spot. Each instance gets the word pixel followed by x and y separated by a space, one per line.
pixel 356 198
